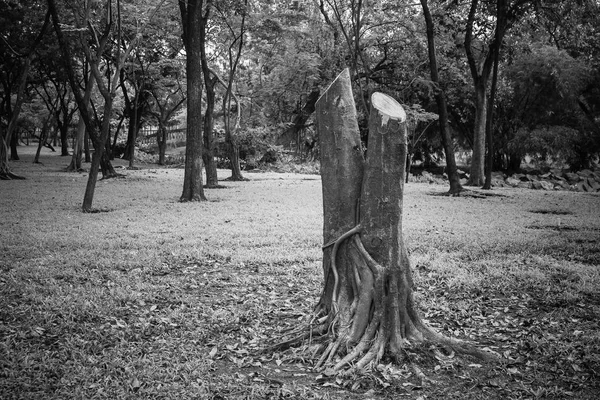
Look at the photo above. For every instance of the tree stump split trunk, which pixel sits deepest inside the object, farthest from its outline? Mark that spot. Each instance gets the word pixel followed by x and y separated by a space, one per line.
pixel 366 309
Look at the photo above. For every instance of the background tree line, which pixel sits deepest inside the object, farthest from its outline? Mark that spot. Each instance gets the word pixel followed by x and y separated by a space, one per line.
pixel 495 79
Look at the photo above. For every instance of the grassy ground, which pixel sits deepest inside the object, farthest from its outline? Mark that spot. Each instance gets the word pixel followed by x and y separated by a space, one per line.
pixel 158 299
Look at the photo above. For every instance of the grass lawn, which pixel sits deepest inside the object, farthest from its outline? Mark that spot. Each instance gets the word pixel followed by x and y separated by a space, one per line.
pixel 156 299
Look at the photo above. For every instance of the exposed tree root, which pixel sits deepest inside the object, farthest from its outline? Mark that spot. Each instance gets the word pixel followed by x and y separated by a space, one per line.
pixel 380 320
pixel 207 186
pixel 237 179
pixel 112 175
pixel 8 176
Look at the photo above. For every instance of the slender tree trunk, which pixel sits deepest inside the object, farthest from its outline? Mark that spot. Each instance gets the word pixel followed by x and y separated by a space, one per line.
pixel 500 24
pixel 440 97
pixel 42 139
pixel 81 140
pixel 4 168
pixel 136 128
pixel 489 160
pixel 76 157
pixel 64 141
pixel 161 141
pixel 477 172
pixel 210 143
pixel 5 172
pixel 86 146
pixel 14 143
pixel 234 158
pixel 191 15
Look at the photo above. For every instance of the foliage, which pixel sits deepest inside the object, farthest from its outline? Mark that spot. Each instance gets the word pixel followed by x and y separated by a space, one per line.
pixel 547 88
pixel 546 144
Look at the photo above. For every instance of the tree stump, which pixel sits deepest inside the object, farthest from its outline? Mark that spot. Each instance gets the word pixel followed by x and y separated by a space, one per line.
pixel 366 310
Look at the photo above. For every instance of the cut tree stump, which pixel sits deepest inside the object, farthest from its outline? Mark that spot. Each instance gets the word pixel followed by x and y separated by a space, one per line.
pixel 366 310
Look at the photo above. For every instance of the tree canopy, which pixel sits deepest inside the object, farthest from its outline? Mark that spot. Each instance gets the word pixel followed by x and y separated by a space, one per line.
pixel 265 64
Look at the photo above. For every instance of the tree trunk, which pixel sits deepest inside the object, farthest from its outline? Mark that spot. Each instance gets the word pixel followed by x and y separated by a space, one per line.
pixel 366 310
pixel 5 172
pixel 81 140
pixel 478 159
pixel 370 298
pixel 161 141
pixel 210 163
pixel 14 142
pixel 234 159
pixel 86 146
pixel 42 139
pixel 76 157
pixel 191 14
pixel 64 141
pixel 440 97
pixel 342 165
pixel 500 22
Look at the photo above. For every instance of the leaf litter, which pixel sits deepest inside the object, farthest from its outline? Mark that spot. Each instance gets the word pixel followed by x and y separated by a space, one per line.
pixel 192 325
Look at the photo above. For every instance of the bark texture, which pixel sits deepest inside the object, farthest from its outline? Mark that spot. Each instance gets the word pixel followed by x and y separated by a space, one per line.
pixel 440 98
pixel 191 14
pixel 366 310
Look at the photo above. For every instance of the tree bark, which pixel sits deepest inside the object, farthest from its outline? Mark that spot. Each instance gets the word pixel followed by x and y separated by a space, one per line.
pixel 477 173
pixel 500 23
pixel 234 158
pixel 368 293
pixel 191 14
pixel 42 138
pixel 14 143
pixel 440 97
pixel 210 81
pixel 76 158
pixel 161 141
pixel 342 165
pixel 366 310
pixel 210 144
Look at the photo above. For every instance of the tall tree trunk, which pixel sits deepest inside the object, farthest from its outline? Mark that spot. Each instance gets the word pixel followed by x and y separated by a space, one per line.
pixel 440 97
pixel 477 172
pixel 191 15
pixel 86 145
pixel 5 172
pixel 234 158
pixel 161 141
pixel 42 139
pixel 98 139
pixel 64 140
pixel 132 136
pixel 500 23
pixel 210 144
pixel 77 155
pixel 14 143
pixel 81 140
